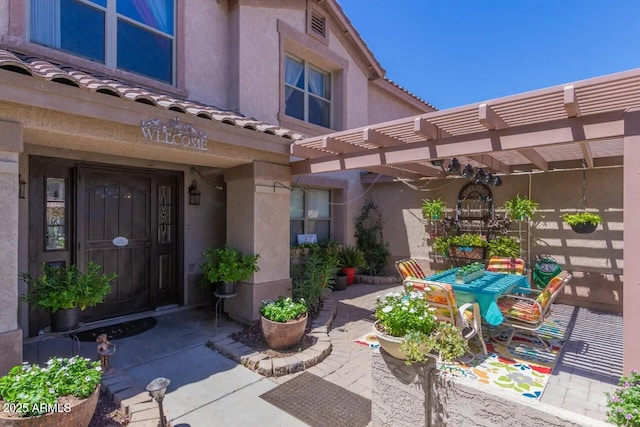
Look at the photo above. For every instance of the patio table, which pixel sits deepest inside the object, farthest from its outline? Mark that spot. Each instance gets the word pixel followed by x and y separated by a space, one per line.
pixel 484 290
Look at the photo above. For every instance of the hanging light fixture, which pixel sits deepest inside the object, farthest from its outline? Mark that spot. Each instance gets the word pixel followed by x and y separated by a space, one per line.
pixel 467 172
pixel 454 166
pixel 194 193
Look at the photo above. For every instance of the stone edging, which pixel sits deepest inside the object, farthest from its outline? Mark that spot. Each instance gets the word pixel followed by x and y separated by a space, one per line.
pixel 264 365
pixel 377 280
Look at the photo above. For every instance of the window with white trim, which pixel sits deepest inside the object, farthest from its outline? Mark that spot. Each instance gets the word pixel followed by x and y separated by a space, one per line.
pixel 132 35
pixel 310 213
pixel 307 92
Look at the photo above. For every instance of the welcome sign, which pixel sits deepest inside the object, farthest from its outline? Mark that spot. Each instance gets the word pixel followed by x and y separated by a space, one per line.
pixel 174 133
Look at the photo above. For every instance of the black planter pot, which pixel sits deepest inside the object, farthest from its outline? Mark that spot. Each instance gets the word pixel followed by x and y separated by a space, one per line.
pixel 65 319
pixel 341 283
pixel 584 228
pixel 226 288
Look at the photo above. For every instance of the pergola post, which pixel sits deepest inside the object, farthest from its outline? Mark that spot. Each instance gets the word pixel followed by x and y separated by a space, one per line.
pixel 631 227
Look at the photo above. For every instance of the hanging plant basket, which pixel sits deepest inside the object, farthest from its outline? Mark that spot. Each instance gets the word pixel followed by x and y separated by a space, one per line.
pixel 584 228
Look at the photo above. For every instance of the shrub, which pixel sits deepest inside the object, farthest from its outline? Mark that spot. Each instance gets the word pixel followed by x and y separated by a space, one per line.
pixel 370 240
pixel 318 271
pixel 624 403
pixel 32 388
pixel 283 309
pixel 351 257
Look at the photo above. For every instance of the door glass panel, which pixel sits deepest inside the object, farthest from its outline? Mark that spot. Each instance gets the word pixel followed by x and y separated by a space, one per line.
pixel 56 215
pixel 164 214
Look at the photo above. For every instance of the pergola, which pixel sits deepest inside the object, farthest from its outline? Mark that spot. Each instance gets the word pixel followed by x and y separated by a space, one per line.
pixel 591 123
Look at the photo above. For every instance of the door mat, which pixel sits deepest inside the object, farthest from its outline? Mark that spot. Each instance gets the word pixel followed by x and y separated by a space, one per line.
pixel 119 330
pixel 320 403
pixel 522 368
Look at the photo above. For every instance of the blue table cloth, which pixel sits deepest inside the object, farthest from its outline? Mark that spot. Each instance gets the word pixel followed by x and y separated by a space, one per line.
pixel 484 290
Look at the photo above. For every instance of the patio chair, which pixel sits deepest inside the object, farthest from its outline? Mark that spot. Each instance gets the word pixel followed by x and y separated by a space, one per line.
pixel 525 310
pixel 507 265
pixel 441 297
pixel 409 267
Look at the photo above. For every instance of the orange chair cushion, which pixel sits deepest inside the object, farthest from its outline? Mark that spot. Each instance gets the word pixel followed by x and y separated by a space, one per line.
pixel 410 268
pixel 553 285
pixel 520 310
pixel 506 265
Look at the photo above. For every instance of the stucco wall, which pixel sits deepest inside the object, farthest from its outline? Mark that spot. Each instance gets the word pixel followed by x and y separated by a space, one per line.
pixel 594 259
pixel 4 17
pixel 383 106
pixel 419 395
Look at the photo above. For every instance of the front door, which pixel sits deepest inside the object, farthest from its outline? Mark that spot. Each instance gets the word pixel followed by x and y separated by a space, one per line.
pixel 121 219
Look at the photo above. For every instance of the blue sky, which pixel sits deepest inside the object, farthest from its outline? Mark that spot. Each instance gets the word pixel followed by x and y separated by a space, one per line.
pixel 453 53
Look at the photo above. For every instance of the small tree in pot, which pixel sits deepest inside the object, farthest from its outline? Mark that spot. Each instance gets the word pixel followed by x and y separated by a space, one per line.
pixel 228 265
pixel 351 258
pixel 65 292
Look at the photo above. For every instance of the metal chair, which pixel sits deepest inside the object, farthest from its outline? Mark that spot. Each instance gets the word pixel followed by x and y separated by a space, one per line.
pixel 525 310
pixel 441 297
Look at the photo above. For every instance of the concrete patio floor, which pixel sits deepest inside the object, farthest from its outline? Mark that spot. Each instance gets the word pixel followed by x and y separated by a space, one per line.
pixel 207 386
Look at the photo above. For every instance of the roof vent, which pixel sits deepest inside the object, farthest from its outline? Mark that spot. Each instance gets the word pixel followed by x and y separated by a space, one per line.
pixel 318 24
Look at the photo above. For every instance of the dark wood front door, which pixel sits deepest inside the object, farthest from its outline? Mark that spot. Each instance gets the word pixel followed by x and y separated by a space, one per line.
pixel 122 219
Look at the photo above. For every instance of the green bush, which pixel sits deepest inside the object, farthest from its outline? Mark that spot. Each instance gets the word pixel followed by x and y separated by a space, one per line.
pixel 31 388
pixel 520 208
pixel 351 257
pixel 316 273
pixel 624 403
pixel 370 240
pixel 63 288
pixel 468 239
pixel 582 218
pixel 441 245
pixel 433 209
pixel 228 264
pixel 283 309
pixel 504 246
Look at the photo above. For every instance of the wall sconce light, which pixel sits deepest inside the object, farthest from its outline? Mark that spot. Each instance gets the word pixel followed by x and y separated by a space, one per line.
pixel 22 188
pixel 194 193
pixel 157 388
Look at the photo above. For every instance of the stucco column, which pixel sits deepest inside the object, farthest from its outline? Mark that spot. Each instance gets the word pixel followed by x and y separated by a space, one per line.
pixel 631 227
pixel 258 223
pixel 10 335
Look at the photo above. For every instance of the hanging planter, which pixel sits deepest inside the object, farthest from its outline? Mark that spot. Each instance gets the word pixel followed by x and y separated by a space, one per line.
pixel 433 209
pixel 583 222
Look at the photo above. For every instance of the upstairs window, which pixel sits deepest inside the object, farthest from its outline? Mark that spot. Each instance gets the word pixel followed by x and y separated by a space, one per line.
pixel 307 92
pixel 132 35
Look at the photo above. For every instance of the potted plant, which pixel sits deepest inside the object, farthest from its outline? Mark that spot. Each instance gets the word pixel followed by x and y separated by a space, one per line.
pixel 227 266
pixel 583 222
pixel 433 209
pixel 504 246
pixel 519 208
pixel 341 281
pixel 62 393
pixel 351 258
pixel 467 246
pixel 283 322
pixel 469 272
pixel 440 246
pixel 65 292
pixel 407 329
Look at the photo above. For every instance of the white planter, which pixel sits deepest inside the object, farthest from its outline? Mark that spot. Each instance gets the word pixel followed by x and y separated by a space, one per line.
pixel 469 277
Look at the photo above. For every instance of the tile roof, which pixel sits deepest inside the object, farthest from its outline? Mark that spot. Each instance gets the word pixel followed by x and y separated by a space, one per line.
pixel 39 68
pixel 411 94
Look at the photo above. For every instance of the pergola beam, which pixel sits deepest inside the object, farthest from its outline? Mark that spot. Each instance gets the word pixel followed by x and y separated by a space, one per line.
pixel 571 104
pixel 338 146
pixel 373 137
pixel 398 173
pixel 421 169
pixel 493 164
pixel 489 119
pixel 425 129
pixel 578 129
pixel 305 152
pixel 586 153
pixel 534 157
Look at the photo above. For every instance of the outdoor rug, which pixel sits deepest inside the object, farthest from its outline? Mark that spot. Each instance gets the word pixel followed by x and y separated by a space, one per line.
pixel 119 330
pixel 320 403
pixel 524 367
pixel 369 340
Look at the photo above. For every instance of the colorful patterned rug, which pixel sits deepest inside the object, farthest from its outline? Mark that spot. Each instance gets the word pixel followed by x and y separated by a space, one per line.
pixel 523 367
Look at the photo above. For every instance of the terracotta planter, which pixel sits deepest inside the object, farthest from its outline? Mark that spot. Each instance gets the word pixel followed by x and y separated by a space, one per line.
pixel 351 274
pixel 584 228
pixel 389 343
pixel 65 320
pixel 280 336
pixel 79 415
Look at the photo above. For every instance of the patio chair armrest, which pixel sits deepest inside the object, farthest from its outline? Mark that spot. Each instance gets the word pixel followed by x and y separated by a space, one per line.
pixel 475 326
